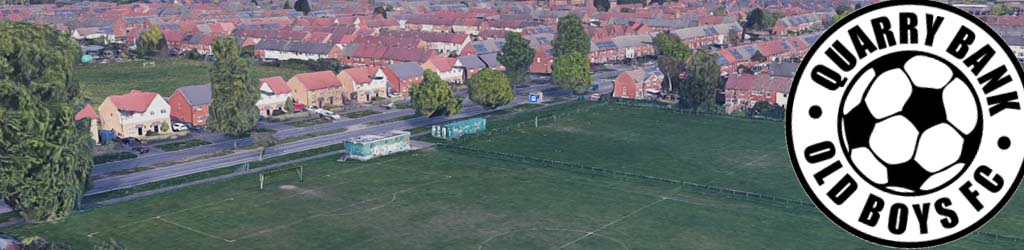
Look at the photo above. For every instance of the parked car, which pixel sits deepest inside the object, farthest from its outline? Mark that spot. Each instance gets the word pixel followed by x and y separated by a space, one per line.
pixel 140 150
pixel 326 114
pixel 177 126
pixel 130 141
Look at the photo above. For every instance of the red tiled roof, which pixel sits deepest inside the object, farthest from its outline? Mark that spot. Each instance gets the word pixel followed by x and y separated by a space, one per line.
pixel 361 75
pixel 318 80
pixel 134 101
pixel 277 84
pixel 86 112
pixel 443 64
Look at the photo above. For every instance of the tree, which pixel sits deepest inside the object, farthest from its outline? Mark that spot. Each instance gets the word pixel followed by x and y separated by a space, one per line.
pixel 490 88
pixel 602 5
pixel 571 38
pixel 303 6
pixel 758 57
pixel 164 127
pixel 626 10
pixel 720 11
pixel 754 19
pixel 672 52
pixel 517 56
pixel 289 105
pixel 571 71
pixel 287 4
pixel 263 140
pixel 45 158
pixel 233 110
pixel 151 41
pixel 433 97
pixel 1001 10
pixel 379 10
pixel 843 9
pixel 703 82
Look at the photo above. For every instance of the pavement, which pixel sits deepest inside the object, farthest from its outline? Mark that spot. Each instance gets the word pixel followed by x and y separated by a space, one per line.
pixel 282 133
pixel 129 180
pixel 106 184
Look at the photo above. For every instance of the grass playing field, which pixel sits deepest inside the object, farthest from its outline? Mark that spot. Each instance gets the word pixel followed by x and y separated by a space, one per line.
pixel 101 80
pixel 447 198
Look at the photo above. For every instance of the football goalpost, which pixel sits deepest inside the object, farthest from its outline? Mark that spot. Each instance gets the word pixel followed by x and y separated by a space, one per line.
pixel 264 177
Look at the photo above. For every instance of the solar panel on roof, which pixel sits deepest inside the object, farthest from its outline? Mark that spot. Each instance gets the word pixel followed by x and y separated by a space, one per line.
pixel 751 50
pixel 735 54
pixel 785 46
pixel 499 44
pixel 480 48
pixel 722 61
pixel 605 45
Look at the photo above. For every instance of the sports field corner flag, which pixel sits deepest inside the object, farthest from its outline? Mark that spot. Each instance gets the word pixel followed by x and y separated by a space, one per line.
pixel 904 123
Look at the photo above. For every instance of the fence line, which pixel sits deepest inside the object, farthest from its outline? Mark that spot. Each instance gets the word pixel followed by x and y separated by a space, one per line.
pixel 628 175
pixel 670 107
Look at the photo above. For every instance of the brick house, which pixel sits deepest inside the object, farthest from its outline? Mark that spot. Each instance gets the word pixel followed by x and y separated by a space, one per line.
pixel 135 114
pixel 191 104
pixel 742 91
pixel 797 23
pixel 402 76
pixel 274 93
pixel 638 83
pixel 317 89
pixel 363 84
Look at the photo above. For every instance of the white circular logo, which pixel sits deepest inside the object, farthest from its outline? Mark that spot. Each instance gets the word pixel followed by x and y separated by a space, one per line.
pixel 903 123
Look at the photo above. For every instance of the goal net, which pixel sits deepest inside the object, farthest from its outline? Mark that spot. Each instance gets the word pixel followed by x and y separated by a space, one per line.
pixel 265 176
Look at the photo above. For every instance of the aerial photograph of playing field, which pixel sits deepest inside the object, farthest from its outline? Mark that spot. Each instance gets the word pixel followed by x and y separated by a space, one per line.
pixel 500 124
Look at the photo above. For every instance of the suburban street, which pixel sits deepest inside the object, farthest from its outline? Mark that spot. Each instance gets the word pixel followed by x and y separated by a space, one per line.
pixel 128 180
pixel 219 146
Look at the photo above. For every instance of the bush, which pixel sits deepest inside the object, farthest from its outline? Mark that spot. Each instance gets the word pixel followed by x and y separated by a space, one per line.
pixel 277 112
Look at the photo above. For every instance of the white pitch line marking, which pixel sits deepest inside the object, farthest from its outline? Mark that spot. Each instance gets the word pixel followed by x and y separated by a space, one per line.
pixel 588 234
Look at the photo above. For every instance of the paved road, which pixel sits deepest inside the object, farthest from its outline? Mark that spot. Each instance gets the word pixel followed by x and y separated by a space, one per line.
pixel 128 180
pixel 186 154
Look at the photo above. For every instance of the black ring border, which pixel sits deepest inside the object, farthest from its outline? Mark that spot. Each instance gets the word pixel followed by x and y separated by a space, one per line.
pixel 789 121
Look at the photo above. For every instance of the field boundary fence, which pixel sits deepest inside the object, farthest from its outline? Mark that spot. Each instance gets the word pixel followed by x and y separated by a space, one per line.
pixel 997 237
pixel 673 109
pixel 536 121
pixel 627 175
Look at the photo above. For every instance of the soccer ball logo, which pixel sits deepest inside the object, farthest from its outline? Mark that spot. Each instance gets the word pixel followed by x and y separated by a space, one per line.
pixel 904 125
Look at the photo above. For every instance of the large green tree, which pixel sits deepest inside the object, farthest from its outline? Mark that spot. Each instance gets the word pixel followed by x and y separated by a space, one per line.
pixel 672 52
pixel 45 156
pixel 571 38
pixel 151 41
pixel 755 18
pixel 571 71
pixel 303 6
pixel 602 5
pixel 1001 9
pixel 434 97
pixel 703 81
pixel 490 88
pixel 233 110
pixel 517 56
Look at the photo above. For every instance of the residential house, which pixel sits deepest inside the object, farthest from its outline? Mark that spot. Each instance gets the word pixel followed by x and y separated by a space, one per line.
pixel 794 24
pixel 317 89
pixel 641 83
pixel 280 50
pixel 135 114
pixel 742 91
pixel 469 65
pixel 274 94
pixel 707 35
pixel 89 113
pixel 445 68
pixel 364 84
pixel 402 76
pixel 191 104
